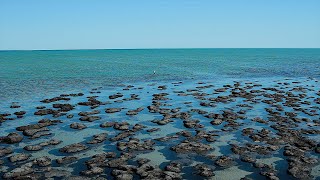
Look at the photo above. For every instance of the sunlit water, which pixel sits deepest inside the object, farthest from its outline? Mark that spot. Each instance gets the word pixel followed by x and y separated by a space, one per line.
pixel 30 76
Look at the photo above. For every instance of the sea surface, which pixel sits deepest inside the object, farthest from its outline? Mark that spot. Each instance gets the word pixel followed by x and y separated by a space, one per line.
pixel 190 77
pixel 26 74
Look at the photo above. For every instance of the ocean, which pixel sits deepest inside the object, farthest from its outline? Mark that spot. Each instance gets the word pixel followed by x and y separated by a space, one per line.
pixel 220 114
pixel 26 73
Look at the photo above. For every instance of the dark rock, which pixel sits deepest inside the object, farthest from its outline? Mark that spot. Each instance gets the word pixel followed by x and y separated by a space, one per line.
pixel 164 87
pixel 164 121
pixel 248 159
pixel 142 161
pixel 186 147
pixel 20 113
pixel 292 151
pixel 171 175
pixel 31 132
pixel 224 161
pixel 192 124
pixel 98 138
pixel 11 138
pixel 50 142
pixel 114 96
pixel 122 135
pixel 78 126
pixel 167 138
pixel 90 118
pixel 113 110
pixel 19 157
pixel 121 175
pixel 40 107
pixel 72 148
pixel 66 160
pixel 63 107
pixel 42 161
pixel 43 112
pixel 259 120
pixel 107 124
pixel 174 167
pixel 15 105
pixel 92 171
pixel 116 162
pixel 33 148
pixel 42 123
pixel 121 126
pixel 55 99
pixel 204 170
pixel 69 116
pixel 138 127
pixel 131 113
pixel 147 171
pixel 216 122
pixel 153 129
pixel 4 151
pixel 19 171
pixel 89 113
pixel 134 145
pixel 40 134
pixel 184 133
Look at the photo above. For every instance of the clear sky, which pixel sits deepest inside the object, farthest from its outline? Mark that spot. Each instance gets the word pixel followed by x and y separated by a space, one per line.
pixel 92 24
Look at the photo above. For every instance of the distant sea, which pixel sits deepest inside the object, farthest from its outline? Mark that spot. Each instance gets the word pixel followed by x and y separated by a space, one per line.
pixel 26 74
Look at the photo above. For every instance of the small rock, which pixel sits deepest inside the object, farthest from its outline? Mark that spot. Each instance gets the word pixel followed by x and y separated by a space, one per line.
pixel 19 157
pixel 72 148
pixel 79 126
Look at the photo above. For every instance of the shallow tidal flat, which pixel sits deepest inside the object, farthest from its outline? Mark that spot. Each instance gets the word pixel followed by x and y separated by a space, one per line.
pixel 231 129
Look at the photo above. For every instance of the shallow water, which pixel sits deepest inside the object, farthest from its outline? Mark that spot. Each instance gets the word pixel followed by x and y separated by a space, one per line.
pixel 27 77
pixel 162 153
pixel 26 74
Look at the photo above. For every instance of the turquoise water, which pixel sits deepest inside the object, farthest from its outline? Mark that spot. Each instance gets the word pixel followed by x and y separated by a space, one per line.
pixel 23 73
pixel 27 77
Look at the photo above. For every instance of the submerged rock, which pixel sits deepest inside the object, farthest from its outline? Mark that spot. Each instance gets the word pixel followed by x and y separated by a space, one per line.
pixel 113 110
pixel 66 160
pixel 186 147
pixel 98 138
pixel 224 161
pixel 204 170
pixel 19 171
pixel 92 171
pixel 107 124
pixel 33 148
pixel 121 126
pixel 19 157
pixel 42 161
pixel 11 138
pixel 174 167
pixel 90 118
pixel 153 130
pixel 79 126
pixel 72 148
pixel 31 132
pixel 5 151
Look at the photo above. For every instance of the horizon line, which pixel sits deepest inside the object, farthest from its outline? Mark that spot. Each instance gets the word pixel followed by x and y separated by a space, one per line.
pixel 159 48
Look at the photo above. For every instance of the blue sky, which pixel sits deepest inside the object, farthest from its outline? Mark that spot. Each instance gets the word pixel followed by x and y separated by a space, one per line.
pixel 91 24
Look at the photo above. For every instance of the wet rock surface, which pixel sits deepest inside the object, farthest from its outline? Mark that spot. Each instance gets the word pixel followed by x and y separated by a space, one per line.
pixel 72 148
pixel 11 138
pixel 79 126
pixel 19 157
pixel 98 138
pixel 186 147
